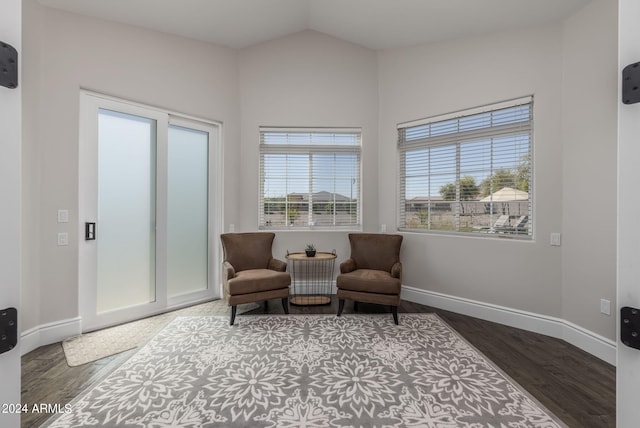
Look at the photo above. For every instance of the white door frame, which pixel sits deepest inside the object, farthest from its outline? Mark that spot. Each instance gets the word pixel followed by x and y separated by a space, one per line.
pixel 215 211
pixel 628 359
pixel 87 194
pixel 11 197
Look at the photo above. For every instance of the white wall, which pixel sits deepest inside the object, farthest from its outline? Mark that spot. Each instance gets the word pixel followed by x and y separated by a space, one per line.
pixel 571 71
pixel 307 79
pixel 68 52
pixel 589 145
pixel 445 77
pixel 310 79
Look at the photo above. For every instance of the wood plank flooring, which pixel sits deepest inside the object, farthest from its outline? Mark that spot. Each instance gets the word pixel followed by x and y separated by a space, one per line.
pixel 579 388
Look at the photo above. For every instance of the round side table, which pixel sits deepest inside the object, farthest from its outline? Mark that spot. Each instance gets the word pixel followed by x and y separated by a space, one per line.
pixel 311 278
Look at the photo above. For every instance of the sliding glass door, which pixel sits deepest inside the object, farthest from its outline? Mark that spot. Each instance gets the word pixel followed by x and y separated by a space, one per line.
pixel 146 193
pixel 126 259
pixel 187 210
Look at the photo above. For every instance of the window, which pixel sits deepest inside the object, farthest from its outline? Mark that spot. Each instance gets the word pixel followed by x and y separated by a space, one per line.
pixel 469 172
pixel 309 178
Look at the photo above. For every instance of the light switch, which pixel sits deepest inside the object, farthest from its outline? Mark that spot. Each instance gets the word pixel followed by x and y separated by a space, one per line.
pixel 63 238
pixel 63 216
pixel 555 239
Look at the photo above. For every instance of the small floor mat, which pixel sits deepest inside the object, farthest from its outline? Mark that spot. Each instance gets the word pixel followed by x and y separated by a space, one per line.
pixel 95 345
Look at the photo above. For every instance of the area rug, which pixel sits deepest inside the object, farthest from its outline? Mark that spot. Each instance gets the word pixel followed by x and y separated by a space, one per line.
pixel 307 371
pixel 88 347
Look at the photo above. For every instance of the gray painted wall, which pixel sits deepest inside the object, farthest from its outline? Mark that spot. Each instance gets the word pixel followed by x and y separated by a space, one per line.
pixel 310 79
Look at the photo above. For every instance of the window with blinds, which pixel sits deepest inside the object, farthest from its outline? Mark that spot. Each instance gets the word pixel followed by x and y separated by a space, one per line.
pixel 469 172
pixel 309 178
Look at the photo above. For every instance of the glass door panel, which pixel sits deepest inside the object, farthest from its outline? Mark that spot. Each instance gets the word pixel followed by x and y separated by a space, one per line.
pixel 187 211
pixel 147 185
pixel 126 247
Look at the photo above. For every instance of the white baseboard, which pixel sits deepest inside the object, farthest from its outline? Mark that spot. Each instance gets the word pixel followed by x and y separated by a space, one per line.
pixel 593 343
pixel 49 333
pixel 596 345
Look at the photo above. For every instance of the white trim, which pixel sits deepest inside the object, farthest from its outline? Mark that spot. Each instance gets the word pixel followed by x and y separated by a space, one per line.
pixel 316 129
pixel 58 331
pixel 596 345
pixel 159 110
pixel 468 112
pixel 49 333
pixel 593 343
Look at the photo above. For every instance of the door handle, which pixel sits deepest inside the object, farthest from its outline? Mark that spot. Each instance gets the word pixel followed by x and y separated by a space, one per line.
pixel 89 231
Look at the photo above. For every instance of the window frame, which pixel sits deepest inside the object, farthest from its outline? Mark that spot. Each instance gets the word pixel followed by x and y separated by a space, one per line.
pixel 423 137
pixel 294 147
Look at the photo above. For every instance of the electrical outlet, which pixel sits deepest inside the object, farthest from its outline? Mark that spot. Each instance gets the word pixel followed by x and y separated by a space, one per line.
pixel 605 306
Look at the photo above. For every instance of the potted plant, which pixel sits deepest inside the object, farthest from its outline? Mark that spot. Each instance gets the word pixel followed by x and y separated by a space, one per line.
pixel 310 250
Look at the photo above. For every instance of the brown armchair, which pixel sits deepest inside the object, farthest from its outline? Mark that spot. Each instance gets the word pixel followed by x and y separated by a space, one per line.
pixel 373 273
pixel 250 273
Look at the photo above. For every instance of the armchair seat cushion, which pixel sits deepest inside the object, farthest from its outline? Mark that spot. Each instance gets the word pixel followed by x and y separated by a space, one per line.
pixel 257 280
pixel 369 281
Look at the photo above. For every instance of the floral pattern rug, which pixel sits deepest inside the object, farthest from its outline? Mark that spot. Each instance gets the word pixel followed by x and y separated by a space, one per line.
pixel 307 371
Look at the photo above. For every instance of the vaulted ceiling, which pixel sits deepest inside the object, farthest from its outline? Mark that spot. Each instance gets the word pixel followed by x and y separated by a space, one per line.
pixel 376 24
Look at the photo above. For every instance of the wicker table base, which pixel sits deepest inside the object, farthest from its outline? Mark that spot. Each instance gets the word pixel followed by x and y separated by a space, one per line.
pixel 311 278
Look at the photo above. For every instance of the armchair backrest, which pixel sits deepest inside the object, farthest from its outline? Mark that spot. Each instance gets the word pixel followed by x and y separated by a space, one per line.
pixel 375 250
pixel 248 250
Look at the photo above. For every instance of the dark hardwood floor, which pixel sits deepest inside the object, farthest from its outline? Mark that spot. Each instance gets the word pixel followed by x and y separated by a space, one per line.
pixel 579 388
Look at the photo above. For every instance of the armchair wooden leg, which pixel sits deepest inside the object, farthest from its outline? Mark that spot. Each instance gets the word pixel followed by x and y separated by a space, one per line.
pixel 340 306
pixel 233 314
pixel 394 311
pixel 285 305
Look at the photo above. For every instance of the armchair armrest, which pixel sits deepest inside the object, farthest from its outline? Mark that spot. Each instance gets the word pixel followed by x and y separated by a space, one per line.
pixel 396 270
pixel 347 266
pixel 277 265
pixel 229 271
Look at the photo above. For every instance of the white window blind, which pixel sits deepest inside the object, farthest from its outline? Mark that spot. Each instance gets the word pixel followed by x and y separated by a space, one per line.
pixel 309 178
pixel 469 172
